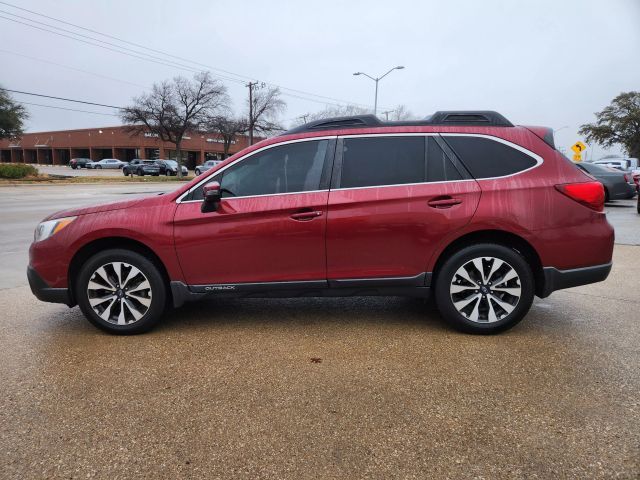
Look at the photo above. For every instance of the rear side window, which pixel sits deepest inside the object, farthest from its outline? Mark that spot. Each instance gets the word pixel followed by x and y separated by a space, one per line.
pixel 372 161
pixel 378 161
pixel 486 158
pixel 439 166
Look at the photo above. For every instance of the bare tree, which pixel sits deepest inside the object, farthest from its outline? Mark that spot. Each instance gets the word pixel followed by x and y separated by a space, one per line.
pixel 264 106
pixel 330 112
pixel 174 108
pixel 228 128
pixel 401 112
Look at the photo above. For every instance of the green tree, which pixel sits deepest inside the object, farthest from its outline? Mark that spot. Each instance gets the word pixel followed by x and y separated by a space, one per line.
pixel 12 116
pixel 617 124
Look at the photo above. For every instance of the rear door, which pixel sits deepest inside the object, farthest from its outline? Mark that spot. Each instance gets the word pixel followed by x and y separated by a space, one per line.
pixel 270 225
pixel 393 198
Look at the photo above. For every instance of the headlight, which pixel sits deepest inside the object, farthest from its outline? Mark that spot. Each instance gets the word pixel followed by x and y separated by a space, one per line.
pixel 46 229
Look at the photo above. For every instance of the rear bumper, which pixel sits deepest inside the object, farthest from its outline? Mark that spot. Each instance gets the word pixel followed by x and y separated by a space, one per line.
pixel 43 292
pixel 555 279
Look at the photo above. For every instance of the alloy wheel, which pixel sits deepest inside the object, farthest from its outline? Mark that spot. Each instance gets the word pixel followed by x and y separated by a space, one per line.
pixel 119 293
pixel 485 289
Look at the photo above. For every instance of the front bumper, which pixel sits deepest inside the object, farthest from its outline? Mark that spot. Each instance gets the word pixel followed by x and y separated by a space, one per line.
pixel 555 279
pixel 43 292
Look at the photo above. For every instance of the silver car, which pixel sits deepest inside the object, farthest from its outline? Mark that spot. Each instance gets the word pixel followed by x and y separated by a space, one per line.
pixel 106 163
pixel 206 166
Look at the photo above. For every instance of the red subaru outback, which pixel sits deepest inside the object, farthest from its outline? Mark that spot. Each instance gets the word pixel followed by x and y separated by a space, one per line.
pixel 464 205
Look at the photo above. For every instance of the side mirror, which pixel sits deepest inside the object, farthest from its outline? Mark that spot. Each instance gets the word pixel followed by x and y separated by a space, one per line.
pixel 212 195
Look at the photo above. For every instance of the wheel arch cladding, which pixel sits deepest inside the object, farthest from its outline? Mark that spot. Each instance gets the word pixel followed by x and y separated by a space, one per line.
pixel 499 237
pixel 109 243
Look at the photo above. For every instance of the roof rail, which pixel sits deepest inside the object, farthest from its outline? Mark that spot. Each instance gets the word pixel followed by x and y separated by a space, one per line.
pixel 453 117
pixel 469 117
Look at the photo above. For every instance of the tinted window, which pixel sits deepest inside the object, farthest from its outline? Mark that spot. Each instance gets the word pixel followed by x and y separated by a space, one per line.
pixel 296 167
pixel 382 161
pixel 486 158
pixel 439 166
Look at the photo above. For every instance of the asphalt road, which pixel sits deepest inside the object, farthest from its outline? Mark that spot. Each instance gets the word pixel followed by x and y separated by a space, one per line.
pixel 317 388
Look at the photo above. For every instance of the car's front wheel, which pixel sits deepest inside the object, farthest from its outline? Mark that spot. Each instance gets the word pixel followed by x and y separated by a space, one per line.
pixel 485 288
pixel 121 292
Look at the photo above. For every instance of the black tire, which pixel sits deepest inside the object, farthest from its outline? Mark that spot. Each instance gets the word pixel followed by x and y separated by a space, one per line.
pixel 197 172
pixel 73 167
pixel 125 172
pixel 140 172
pixel 148 269
pixel 638 208
pixel 445 277
pixel 98 167
pixel 606 195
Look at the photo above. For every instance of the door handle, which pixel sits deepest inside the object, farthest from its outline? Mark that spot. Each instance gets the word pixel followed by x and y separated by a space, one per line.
pixel 306 216
pixel 444 202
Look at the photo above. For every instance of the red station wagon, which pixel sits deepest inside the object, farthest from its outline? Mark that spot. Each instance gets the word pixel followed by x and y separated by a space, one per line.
pixel 463 205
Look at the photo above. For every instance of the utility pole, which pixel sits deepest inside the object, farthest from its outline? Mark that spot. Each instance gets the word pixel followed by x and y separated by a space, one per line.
pixel 250 85
pixel 386 114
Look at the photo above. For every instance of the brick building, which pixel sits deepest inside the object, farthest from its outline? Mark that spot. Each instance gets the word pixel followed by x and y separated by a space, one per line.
pixel 57 148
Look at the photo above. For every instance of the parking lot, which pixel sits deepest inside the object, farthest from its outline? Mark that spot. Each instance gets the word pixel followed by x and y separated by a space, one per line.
pixel 316 388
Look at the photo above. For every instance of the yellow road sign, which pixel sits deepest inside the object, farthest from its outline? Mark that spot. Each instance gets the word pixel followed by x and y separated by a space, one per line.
pixel 579 147
pixel 577 157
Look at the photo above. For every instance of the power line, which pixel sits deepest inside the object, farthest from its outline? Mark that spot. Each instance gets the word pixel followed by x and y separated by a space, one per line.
pixel 301 94
pixel 62 98
pixel 70 109
pixel 74 68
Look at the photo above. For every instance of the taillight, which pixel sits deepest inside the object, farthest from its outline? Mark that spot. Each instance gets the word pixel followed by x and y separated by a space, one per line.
pixel 626 178
pixel 590 194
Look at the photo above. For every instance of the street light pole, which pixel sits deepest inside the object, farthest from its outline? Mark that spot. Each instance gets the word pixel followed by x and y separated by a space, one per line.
pixel 377 79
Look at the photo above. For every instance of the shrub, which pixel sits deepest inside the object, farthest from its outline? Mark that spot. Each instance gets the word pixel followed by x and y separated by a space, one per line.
pixel 17 170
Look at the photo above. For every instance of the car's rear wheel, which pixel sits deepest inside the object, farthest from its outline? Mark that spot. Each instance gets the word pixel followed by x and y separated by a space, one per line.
pixel 99 167
pixel 73 167
pixel 485 288
pixel 140 172
pixel 121 292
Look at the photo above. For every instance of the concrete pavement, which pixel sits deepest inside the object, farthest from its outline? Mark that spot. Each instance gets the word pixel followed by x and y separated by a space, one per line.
pixel 315 388
pixel 228 389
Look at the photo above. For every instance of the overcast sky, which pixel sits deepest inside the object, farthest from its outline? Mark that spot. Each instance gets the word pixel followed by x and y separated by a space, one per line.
pixel 542 62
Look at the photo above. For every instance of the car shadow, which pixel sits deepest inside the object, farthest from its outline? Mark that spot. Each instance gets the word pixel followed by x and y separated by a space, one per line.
pixel 303 311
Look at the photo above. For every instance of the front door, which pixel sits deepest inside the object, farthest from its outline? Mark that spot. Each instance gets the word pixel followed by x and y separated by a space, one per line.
pixel 396 197
pixel 270 225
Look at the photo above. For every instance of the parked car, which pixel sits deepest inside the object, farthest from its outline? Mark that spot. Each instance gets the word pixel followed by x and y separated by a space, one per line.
pixel 625 164
pixel 170 167
pixel 616 183
pixel 79 162
pixel 106 163
pixel 200 169
pixel 464 206
pixel 141 168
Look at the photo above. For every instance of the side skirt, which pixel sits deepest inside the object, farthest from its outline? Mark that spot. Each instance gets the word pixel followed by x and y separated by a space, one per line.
pixel 418 286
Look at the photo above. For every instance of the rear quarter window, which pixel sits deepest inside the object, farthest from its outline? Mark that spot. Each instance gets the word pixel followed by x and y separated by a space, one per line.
pixel 487 158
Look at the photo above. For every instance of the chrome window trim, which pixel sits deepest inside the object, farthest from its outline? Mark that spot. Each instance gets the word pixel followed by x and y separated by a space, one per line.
pixel 266 147
pixel 539 160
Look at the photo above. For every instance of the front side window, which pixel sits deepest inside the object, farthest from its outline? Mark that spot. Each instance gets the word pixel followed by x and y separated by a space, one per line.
pixel 295 167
